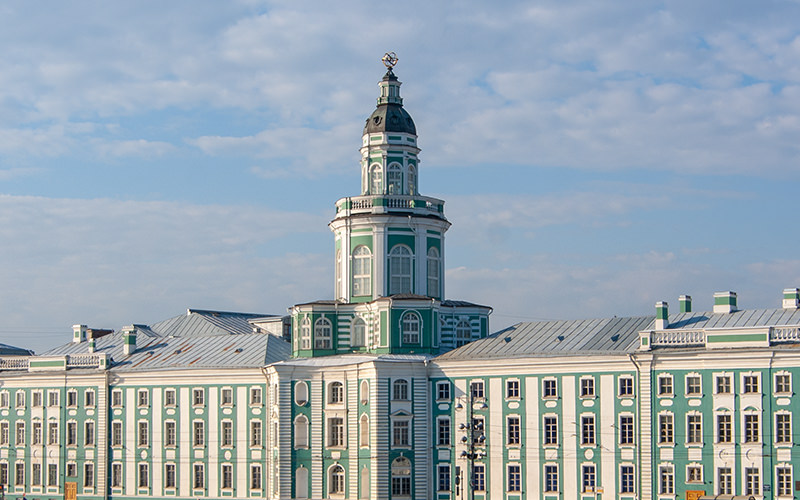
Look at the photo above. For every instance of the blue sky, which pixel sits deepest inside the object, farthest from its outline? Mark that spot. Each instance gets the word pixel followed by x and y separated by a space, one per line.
pixel 595 156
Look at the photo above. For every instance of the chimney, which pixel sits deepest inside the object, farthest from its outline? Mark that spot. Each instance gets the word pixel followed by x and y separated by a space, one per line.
pixel 662 315
pixel 685 302
pixel 91 345
pixel 79 333
pixel 791 298
pixel 725 302
pixel 129 339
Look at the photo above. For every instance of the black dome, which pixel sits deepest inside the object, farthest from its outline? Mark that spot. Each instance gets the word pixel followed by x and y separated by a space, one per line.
pixel 390 118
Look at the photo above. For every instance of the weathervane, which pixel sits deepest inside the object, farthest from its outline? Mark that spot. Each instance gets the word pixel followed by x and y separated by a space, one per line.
pixel 389 60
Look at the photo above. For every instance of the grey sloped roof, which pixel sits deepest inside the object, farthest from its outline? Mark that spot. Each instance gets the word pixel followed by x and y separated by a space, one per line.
pixel 10 350
pixel 739 319
pixel 202 322
pixel 555 338
pixel 352 359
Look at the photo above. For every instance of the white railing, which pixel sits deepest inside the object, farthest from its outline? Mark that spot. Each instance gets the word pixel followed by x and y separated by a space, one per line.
pixel 84 361
pixel 678 338
pixel 784 334
pixel 378 202
pixel 15 363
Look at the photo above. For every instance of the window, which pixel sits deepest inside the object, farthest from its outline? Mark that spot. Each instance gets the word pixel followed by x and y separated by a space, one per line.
pixel 144 475
pixel 551 478
pixel 512 389
pixel 443 431
pixel 476 389
pixel 335 393
pixel 723 383
pixel 322 334
pixel 170 434
pixel 376 180
pixel 751 430
pixel 478 435
pixel 255 396
pixel 666 429
pixel 724 428
pixel 394 179
pixel 400 265
pixel 587 387
pixel 336 480
pixel 36 438
pixel 358 334
pixel 724 481
pixel 444 478
pixel 512 431
pixel 694 429
pixel 752 481
pixel 20 399
pixel 666 483
pixel 412 180
pixel 363 437
pixel 300 393
pixel 72 398
pixel 19 475
pixel 401 477
pixel 198 397
pixel 750 384
pixel 400 433
pixel 463 333
pixel 255 477
pixel 52 398
pixel 36 399
pixel 433 272
pixel 362 271
pixel 227 434
pixel 199 433
pixel 549 388
pixel 20 438
pixel 116 475
pixel 410 328
pixel 400 390
pixel 626 429
pixel 305 334
pixel 52 433
pixel 588 478
pixel 72 433
pixel 3 473
pixel 255 433
pixel 199 476
pixel 783 383
pixel 89 398
pixel 36 474
pixel 4 433
pixel 144 398
pixel 144 433
pixel 336 432
pixel 479 477
pixel 116 398
pixel 88 475
pixel 625 387
pixel 551 430
pixel 783 428
pixel 694 474
pixel 227 476
pixel 301 432
pixel 116 433
pixel 169 476
pixel 52 475
pixel 514 478
pixel 4 399
pixel 693 387
pixel 227 397
pixel 626 479
pixel 587 430
pixel 783 477
pixel 364 392
pixel 443 391
pixel 88 433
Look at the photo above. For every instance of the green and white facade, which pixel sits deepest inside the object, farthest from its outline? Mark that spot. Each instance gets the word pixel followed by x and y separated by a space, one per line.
pixel 391 391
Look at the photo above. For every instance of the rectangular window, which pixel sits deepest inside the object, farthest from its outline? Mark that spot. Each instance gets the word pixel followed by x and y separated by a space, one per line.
pixel 88 435
pixel 255 477
pixel 89 398
pixel 19 475
pixel 72 469
pixel 255 396
pixel 144 398
pixel 512 430
pixel 144 476
pixel 514 478
pixel 694 474
pixel 587 430
pixel 199 476
pixel 52 433
pixel 400 433
pixel 694 429
pixel 52 474
pixel 551 478
pixel 666 428
pixel 626 479
pixel 783 383
pixel 227 433
pixel 479 477
pixel 752 481
pixel 116 433
pixel 4 399
pixel 227 397
pixel 336 431
pixel 444 478
pixel 723 384
pixel 36 399
pixel 750 384
pixel 198 397
pixel 783 428
pixel 625 387
pixel 693 387
pixel 783 476
pixel 476 389
pixel 72 398
pixel 36 474
pixel 227 476
pixel 550 430
pixel 20 399
pixel 116 475
pixel 751 429
pixel 549 388
pixel 199 433
pixel 512 389
pixel 144 433
pixel 170 433
pixel 588 478
pixel 4 433
pixel 36 438
pixel 116 398
pixel 3 473
pixel 443 391
pixel 478 435
pixel 724 428
pixel 20 438
pixel 587 387
pixel 88 475
pixel 52 398
pixel 169 475
pixel 666 483
pixel 443 432
pixel 72 433
pixel 255 433
pixel 626 429
pixel 724 481
pixel 169 397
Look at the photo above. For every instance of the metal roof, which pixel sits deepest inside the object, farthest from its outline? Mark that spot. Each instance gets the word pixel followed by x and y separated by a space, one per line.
pixel 352 359
pixel 10 350
pixel 203 322
pixel 738 319
pixel 551 338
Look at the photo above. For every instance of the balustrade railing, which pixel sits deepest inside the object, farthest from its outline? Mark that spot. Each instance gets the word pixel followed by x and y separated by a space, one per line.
pixel 678 338
pixel 784 334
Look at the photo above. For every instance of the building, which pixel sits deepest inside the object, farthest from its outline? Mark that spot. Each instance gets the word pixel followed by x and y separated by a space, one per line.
pixel 390 390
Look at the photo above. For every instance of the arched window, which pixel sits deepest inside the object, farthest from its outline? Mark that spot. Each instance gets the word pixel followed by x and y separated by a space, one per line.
pixel 364 392
pixel 322 334
pixel 301 432
pixel 363 436
pixel 335 393
pixel 376 180
pixel 433 272
pixel 412 180
pixel 400 270
pixel 358 333
pixel 394 179
pixel 400 390
pixel 362 271
pixel 336 483
pixel 301 482
pixel 410 327
pixel 401 477
pixel 300 393
pixel 305 333
pixel 463 333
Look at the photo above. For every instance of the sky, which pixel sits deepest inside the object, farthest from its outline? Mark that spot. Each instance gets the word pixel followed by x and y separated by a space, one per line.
pixel 595 156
